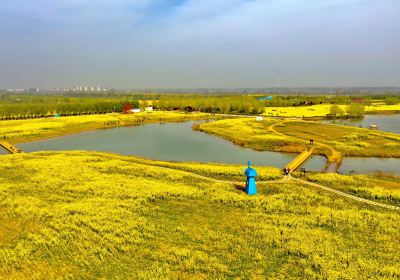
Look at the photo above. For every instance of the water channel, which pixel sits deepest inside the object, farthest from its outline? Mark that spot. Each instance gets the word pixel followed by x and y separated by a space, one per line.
pixel 387 123
pixel 178 142
pixel 170 141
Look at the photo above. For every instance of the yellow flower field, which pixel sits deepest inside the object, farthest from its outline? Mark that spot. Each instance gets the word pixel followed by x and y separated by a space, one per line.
pixel 32 129
pixel 321 110
pixel 85 215
pixel 369 187
pixel 294 135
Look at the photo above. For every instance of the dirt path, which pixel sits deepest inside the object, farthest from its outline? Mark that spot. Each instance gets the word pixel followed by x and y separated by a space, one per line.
pixel 289 178
pixel 334 156
pixel 359 199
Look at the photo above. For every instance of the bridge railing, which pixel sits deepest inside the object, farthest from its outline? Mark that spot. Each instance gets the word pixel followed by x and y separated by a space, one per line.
pixel 299 160
pixel 9 147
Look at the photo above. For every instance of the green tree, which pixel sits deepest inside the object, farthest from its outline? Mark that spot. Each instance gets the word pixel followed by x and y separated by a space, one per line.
pixel 336 111
pixel 392 100
pixel 356 110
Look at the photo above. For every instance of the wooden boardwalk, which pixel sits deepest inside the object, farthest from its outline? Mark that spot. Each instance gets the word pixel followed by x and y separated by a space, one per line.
pixel 9 147
pixel 299 160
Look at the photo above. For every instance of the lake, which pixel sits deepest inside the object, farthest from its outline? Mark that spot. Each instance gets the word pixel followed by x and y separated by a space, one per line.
pixel 388 123
pixel 171 142
pixel 178 142
pixel 369 165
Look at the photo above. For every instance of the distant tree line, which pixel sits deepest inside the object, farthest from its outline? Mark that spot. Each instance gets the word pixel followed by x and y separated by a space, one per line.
pixel 207 104
pixel 354 110
pixel 38 107
pixel 306 100
pixel 18 106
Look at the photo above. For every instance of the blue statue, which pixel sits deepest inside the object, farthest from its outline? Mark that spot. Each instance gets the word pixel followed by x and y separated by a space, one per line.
pixel 251 181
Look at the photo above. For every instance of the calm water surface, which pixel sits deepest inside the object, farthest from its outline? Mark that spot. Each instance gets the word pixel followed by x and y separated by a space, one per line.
pixel 352 165
pixel 388 123
pixel 178 142
pixel 170 141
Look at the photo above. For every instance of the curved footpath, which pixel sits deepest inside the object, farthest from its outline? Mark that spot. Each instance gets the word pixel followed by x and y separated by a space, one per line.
pixel 363 200
pixel 289 178
pixel 334 158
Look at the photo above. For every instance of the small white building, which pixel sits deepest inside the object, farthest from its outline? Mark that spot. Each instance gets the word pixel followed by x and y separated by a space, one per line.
pixel 259 119
pixel 149 109
pixel 136 110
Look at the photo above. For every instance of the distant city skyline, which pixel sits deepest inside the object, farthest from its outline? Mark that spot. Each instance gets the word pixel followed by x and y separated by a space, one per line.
pixel 199 44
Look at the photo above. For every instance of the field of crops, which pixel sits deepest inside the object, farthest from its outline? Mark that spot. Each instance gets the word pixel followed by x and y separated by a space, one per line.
pixel 323 110
pixel 85 215
pixel 294 136
pixel 371 187
pixel 252 134
pixel 32 129
pixel 350 141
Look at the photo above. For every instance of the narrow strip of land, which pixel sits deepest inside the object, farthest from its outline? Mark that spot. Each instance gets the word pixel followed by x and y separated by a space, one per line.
pixel 334 156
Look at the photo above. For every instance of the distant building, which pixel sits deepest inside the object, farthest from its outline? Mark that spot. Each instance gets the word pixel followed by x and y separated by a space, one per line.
pixel 359 99
pixel 33 90
pixel 149 109
pixel 265 98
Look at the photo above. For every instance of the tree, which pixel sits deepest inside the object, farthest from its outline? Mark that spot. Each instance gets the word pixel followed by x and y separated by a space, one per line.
pixel 356 110
pixel 392 100
pixel 336 111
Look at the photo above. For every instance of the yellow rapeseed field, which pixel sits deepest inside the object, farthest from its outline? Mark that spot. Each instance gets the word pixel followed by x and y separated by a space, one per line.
pixel 26 130
pixel 321 110
pixel 85 215
pixel 300 111
pixel 371 187
pixel 294 135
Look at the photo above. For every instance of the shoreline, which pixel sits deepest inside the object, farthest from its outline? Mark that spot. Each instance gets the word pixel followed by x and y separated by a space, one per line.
pixel 182 118
pixel 90 126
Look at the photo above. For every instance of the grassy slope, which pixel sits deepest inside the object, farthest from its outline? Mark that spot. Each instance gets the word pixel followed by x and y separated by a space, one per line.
pixel 27 130
pixel 90 215
pixel 323 110
pixel 365 186
pixel 252 134
pixel 350 141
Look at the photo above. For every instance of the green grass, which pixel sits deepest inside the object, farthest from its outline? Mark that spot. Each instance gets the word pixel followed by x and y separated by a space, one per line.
pixel 294 135
pixel 350 141
pixel 250 133
pixel 323 110
pixel 371 187
pixel 86 215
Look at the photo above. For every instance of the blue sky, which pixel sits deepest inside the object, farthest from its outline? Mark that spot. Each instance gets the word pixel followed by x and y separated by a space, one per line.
pixel 192 43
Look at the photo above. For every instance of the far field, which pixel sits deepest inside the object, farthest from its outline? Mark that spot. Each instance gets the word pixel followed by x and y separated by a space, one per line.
pixel 323 110
pixel 86 215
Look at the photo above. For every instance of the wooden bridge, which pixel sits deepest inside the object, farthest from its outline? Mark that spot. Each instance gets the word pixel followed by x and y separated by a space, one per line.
pixel 299 160
pixel 9 147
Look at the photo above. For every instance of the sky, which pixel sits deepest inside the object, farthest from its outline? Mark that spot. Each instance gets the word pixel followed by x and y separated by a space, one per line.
pixel 199 44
